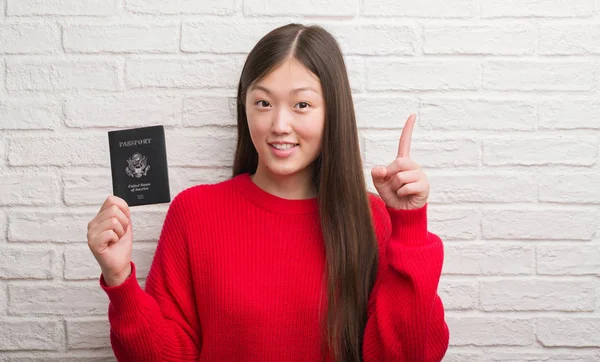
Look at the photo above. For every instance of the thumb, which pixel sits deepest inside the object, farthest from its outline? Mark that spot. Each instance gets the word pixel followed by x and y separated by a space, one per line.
pixel 378 174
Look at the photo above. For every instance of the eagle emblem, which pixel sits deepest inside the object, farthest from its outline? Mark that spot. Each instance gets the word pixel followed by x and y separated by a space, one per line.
pixel 137 165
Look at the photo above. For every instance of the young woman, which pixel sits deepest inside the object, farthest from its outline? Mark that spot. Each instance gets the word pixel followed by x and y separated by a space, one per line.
pixel 291 259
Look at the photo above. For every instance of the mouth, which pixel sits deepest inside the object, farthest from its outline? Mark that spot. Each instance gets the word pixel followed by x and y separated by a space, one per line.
pixel 283 146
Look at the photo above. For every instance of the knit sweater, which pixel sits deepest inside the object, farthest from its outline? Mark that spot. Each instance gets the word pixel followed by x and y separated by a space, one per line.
pixel 238 276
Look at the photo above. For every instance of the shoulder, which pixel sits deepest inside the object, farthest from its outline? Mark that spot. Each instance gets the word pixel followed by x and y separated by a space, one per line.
pixel 201 195
pixel 381 218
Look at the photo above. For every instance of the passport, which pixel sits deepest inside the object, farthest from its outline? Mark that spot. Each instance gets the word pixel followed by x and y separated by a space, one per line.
pixel 138 162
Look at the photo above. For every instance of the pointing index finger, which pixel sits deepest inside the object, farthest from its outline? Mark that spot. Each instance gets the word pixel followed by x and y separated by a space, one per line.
pixel 405 137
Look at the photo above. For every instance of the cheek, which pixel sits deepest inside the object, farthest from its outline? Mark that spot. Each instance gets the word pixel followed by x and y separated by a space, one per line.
pixel 315 129
pixel 255 124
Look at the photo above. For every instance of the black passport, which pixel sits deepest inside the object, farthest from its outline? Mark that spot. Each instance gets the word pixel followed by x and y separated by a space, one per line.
pixel 138 160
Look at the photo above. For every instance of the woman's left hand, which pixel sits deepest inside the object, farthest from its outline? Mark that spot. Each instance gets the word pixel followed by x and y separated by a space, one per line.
pixel 402 184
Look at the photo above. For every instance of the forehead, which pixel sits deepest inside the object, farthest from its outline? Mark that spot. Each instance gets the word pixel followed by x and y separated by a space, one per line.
pixel 288 76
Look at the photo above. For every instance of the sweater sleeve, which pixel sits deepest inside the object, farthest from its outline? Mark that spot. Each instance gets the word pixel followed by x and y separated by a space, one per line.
pixel 405 314
pixel 160 323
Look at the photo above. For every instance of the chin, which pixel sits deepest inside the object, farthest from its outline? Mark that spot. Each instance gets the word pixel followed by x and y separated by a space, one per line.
pixel 287 170
pixel 284 171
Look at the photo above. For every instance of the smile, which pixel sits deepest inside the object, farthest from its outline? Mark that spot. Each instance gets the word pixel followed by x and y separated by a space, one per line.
pixel 283 146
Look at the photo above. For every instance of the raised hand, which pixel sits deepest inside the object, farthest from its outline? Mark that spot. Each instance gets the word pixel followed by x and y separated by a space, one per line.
pixel 110 238
pixel 402 184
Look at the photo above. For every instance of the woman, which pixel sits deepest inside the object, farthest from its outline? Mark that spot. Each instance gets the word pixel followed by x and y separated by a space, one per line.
pixel 291 259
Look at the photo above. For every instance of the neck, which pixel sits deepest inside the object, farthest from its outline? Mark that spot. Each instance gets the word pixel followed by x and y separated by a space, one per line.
pixel 295 186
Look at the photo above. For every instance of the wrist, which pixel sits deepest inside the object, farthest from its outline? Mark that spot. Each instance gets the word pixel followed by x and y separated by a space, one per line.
pixel 113 280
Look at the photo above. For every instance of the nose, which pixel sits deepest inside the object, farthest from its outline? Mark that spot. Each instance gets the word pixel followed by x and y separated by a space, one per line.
pixel 282 120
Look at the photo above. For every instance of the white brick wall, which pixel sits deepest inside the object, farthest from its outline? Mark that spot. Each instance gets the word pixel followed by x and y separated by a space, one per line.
pixel 508 130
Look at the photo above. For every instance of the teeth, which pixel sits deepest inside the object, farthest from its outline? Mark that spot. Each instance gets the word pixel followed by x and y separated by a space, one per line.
pixel 283 147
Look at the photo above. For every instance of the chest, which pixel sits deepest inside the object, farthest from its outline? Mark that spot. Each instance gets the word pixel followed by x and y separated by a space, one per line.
pixel 254 271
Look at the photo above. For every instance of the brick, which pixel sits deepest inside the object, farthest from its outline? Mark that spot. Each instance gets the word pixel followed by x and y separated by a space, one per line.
pixel 569 331
pixel 549 75
pixel 486 259
pixel 61 75
pixel 490 331
pixel 29 39
pixel 2 75
pixel 383 112
pixel 531 151
pixel 545 356
pixel 227 7
pixel 421 9
pixel 30 334
pixel 90 187
pixel 3 298
pixel 203 111
pixel 569 114
pixel 147 224
pixel 240 37
pixel 578 188
pixel 454 223
pixel 298 7
pixel 374 39
pixel 187 177
pixel 458 294
pixel 355 68
pixel 549 8
pixel 123 112
pixel 3 226
pixel 223 37
pixel 85 333
pixel 382 148
pixel 219 72
pixel 59 151
pixel 17 263
pixel 61 7
pixel 122 38
pixel 25 114
pixel 545 224
pixel 386 74
pixel 209 147
pixel 481 187
pixel 536 295
pixel 597 286
pixel 56 299
pixel 80 263
pixel 569 39
pixel 453 356
pixel 28 188
pixel 477 39
pixel 48 226
pixel 476 114
pixel 568 260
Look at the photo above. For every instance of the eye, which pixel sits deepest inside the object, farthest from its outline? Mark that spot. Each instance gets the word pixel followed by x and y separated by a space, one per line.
pixel 262 103
pixel 303 105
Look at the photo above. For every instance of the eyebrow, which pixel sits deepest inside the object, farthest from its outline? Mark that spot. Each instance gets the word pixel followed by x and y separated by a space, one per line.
pixel 297 90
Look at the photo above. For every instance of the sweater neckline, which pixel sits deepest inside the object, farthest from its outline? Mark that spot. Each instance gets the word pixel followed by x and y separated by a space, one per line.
pixel 244 184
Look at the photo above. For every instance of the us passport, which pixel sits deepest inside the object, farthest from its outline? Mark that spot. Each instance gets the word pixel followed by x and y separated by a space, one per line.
pixel 138 161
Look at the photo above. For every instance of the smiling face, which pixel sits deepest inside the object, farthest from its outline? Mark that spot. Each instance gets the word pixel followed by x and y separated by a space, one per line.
pixel 286 117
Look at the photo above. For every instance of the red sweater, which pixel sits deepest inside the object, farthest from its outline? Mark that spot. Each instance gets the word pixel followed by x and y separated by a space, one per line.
pixel 238 276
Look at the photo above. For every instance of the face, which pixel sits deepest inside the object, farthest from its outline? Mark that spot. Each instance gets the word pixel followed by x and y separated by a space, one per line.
pixel 286 117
